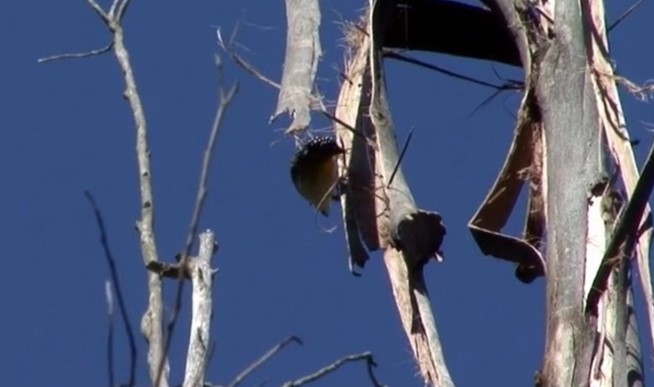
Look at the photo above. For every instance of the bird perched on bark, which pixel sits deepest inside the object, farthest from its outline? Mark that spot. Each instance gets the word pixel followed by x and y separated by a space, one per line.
pixel 314 171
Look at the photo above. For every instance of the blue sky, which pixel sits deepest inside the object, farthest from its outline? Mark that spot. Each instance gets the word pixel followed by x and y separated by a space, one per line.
pixel 66 128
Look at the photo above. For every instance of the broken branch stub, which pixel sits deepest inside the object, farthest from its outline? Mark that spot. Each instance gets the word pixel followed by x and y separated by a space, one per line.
pixel 417 233
pixel 300 64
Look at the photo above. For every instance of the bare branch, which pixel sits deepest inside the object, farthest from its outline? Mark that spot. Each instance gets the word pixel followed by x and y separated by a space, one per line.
pixel 77 55
pixel 263 359
pixel 254 71
pixel 231 51
pixel 624 15
pixel 199 342
pixel 511 85
pixel 118 9
pixel 119 295
pixel 321 373
pixel 152 321
pixel 225 100
pixel 401 157
pixel 99 11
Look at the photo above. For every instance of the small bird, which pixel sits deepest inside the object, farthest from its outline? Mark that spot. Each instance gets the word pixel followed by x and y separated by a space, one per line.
pixel 314 171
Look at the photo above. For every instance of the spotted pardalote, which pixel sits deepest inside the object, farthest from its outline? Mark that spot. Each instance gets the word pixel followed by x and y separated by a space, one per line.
pixel 314 171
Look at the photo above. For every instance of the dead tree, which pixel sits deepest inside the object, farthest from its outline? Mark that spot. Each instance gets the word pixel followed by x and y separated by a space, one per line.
pixel 587 212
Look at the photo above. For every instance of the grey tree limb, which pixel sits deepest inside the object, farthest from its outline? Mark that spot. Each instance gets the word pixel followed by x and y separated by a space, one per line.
pixel 182 269
pixel 77 55
pixel 152 321
pixel 201 311
pixel 321 373
pixel 263 359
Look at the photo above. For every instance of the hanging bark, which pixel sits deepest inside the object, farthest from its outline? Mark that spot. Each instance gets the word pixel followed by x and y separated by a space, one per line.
pixel 303 52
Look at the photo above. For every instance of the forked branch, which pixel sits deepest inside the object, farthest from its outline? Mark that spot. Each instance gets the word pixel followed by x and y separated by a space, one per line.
pixel 152 322
pixel 183 268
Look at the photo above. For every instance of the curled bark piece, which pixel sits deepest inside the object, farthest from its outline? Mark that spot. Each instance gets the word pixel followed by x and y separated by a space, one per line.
pixel 454 28
pixel 524 162
pixel 356 135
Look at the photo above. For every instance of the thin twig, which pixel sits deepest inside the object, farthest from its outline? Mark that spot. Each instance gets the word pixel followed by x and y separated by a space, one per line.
pixel 110 332
pixel 225 100
pixel 99 11
pixel 116 281
pixel 77 55
pixel 366 356
pixel 263 359
pixel 399 160
pixel 624 15
pixel 118 9
pixel 512 85
pixel 485 102
pixel 229 49
pixel 342 123
pixel 254 71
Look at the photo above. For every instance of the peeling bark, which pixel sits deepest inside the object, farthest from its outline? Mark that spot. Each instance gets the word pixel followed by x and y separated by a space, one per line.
pixel 300 64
